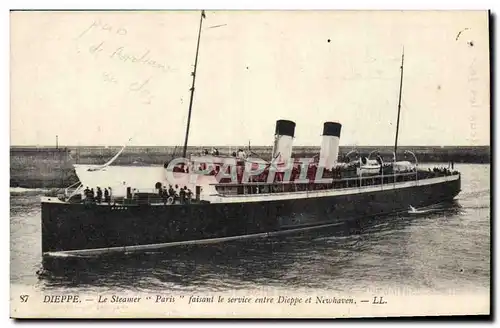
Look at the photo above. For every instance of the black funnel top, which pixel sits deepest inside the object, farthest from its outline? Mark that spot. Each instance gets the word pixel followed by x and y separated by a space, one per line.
pixel 285 128
pixel 332 129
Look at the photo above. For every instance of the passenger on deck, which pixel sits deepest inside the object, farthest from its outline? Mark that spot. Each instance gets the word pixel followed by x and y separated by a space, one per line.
pixel 189 196
pixel 106 195
pixel 86 192
pixel 91 194
pixel 171 191
pixel 182 195
pixel 176 192
pixel 164 195
pixel 241 154
pixel 99 195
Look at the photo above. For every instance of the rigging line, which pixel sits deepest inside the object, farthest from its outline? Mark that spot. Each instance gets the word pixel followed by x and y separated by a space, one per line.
pixel 399 104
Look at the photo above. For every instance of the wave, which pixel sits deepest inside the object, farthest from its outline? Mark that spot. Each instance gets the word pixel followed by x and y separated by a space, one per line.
pixel 475 193
pixel 27 191
pixel 62 255
pixel 476 207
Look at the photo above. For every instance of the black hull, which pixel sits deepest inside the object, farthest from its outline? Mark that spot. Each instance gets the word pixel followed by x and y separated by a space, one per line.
pixel 79 227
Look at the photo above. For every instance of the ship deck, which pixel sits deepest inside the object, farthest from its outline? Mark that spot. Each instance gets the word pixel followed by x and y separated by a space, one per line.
pixel 263 191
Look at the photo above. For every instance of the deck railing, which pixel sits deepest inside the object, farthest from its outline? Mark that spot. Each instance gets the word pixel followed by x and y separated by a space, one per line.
pixel 352 182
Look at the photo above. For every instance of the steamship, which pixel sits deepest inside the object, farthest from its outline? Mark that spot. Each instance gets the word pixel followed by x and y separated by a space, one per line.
pixel 235 196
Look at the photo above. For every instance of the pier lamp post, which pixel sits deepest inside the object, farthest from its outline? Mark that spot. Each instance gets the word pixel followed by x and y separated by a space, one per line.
pixel 416 162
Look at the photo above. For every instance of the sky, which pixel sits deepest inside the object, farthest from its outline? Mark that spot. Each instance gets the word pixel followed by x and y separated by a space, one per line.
pixel 102 78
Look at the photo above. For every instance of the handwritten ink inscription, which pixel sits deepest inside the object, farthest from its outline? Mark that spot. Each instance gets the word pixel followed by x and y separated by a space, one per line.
pixel 121 54
pixel 108 50
pixel 139 88
pixel 104 27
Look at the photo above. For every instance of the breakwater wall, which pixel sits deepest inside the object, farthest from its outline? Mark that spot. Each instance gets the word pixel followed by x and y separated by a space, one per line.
pixel 51 167
pixel 40 167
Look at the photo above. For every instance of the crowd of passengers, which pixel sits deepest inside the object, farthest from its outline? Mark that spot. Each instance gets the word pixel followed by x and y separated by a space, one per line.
pixel 182 195
pixel 442 171
pixel 96 196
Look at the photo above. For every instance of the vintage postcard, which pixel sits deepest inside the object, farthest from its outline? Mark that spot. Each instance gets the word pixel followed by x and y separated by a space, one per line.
pixel 249 164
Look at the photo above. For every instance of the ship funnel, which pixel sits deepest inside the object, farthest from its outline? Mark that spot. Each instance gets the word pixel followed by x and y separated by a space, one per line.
pixel 283 140
pixel 330 145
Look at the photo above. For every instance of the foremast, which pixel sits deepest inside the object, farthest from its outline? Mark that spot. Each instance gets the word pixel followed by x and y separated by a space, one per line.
pixel 193 74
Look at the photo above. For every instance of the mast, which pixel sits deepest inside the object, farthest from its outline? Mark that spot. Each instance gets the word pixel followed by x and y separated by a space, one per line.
pixel 193 74
pixel 399 104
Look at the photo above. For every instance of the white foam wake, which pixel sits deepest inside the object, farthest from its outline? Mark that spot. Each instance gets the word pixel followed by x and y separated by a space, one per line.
pixel 34 191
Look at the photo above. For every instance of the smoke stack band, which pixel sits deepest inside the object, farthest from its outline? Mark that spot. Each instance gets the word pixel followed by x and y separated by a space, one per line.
pixel 330 145
pixel 283 141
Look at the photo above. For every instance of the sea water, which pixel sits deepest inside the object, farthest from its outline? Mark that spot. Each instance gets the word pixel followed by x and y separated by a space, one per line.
pixel 443 251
